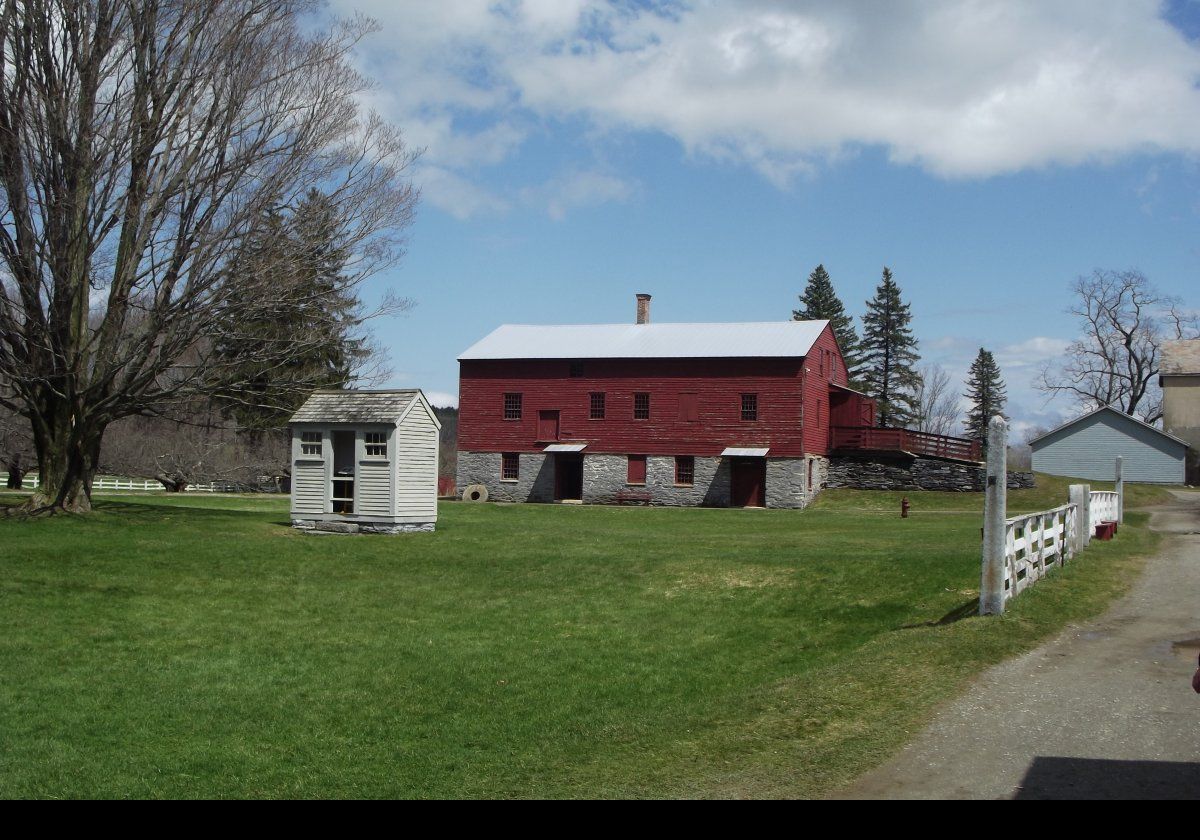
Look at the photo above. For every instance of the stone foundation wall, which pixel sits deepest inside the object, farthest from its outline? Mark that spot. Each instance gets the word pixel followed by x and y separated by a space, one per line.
pixel 789 484
pixel 536 482
pixel 914 474
pixel 604 480
pixel 318 526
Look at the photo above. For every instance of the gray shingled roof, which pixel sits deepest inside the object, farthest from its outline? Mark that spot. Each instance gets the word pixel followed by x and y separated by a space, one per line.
pixel 354 406
pixel 1180 357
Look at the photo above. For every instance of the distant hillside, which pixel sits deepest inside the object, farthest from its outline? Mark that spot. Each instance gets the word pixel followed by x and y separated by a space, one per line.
pixel 448 456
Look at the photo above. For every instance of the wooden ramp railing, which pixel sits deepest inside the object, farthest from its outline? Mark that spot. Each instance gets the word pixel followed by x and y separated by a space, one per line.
pixel 905 440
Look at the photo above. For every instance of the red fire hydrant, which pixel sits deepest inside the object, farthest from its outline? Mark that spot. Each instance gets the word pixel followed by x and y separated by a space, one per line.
pixel 904 508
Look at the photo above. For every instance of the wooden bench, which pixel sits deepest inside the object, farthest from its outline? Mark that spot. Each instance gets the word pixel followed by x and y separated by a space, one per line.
pixel 632 497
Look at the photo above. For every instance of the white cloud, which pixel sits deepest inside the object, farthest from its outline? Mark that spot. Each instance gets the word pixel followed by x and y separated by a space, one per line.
pixel 1020 363
pixel 457 195
pixel 959 89
pixel 442 399
pixel 1031 354
pixel 577 189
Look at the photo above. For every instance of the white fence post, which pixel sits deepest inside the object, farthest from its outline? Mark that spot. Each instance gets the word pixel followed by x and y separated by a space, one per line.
pixel 991 589
pixel 1079 498
pixel 1120 493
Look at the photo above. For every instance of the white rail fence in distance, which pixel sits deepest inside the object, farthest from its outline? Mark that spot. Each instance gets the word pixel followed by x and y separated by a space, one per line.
pixel 31 482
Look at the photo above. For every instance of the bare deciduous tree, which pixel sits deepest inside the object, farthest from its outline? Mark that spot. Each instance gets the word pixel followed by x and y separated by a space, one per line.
pixel 141 143
pixel 1124 320
pixel 16 448
pixel 205 448
pixel 937 401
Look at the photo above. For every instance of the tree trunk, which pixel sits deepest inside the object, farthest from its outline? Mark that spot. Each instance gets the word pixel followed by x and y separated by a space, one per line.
pixel 172 484
pixel 67 459
pixel 15 473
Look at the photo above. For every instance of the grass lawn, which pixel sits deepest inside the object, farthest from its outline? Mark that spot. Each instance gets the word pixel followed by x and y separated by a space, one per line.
pixel 196 646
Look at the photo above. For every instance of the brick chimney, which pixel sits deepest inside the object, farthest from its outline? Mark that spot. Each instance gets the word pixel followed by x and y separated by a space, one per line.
pixel 643 308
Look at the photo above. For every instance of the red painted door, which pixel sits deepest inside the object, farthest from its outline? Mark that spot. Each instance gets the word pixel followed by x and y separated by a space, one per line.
pixel 547 425
pixel 748 482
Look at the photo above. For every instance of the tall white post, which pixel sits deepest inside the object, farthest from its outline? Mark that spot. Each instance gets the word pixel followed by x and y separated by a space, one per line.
pixel 1120 493
pixel 995 507
pixel 1079 497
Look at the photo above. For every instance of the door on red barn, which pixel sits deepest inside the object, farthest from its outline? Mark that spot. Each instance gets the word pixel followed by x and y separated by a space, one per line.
pixel 547 426
pixel 748 482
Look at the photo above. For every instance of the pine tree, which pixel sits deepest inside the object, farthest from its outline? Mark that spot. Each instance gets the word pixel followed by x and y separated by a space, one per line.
pixel 889 356
pixel 987 393
pixel 820 302
pixel 293 290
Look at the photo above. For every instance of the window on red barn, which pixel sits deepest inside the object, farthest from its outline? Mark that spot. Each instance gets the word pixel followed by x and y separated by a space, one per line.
pixel 596 406
pixel 685 470
pixel 641 406
pixel 576 370
pixel 512 406
pixel 510 466
pixel 637 469
pixel 821 362
pixel 689 408
pixel 749 406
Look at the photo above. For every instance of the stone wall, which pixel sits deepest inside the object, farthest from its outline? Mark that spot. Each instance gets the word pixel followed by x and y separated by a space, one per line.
pixel 318 526
pixel 913 474
pixel 536 482
pixel 604 480
pixel 788 482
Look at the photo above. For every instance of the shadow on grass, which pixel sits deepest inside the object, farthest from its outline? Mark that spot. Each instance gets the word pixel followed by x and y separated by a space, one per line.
pixel 967 610
pixel 141 511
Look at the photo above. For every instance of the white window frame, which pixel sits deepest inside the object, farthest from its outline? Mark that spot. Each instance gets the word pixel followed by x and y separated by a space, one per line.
pixel 311 439
pixel 381 443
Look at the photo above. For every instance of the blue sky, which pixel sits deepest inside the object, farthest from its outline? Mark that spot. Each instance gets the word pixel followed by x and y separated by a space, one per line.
pixel 713 154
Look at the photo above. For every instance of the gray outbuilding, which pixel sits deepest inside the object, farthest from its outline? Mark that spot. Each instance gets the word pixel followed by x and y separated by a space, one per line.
pixel 1088 446
pixel 365 461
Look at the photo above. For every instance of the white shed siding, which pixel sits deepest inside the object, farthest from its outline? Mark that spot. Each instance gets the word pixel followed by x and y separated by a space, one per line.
pixel 1089 448
pixel 308 487
pixel 373 488
pixel 416 464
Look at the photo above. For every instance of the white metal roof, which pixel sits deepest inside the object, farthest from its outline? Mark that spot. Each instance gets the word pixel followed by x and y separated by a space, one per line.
pixel 565 447
pixel 745 452
pixel 780 339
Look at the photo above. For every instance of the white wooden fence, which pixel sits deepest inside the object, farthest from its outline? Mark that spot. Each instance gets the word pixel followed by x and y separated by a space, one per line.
pixel 1034 543
pixel 108 482
pixel 1103 506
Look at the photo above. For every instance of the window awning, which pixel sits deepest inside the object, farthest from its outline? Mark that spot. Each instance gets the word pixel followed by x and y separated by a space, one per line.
pixel 565 447
pixel 744 452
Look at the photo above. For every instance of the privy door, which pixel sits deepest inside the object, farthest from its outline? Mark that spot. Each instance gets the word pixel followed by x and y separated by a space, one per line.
pixel 547 425
pixel 748 482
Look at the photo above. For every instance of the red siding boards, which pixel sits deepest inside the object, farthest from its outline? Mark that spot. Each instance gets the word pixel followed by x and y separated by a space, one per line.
pixel 790 391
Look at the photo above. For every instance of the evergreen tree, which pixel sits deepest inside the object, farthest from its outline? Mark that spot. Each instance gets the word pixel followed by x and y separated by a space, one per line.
pixel 293 290
pixel 889 356
pixel 820 302
pixel 987 393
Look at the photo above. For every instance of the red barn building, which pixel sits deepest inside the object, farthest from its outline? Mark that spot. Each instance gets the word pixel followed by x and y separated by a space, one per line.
pixel 679 414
